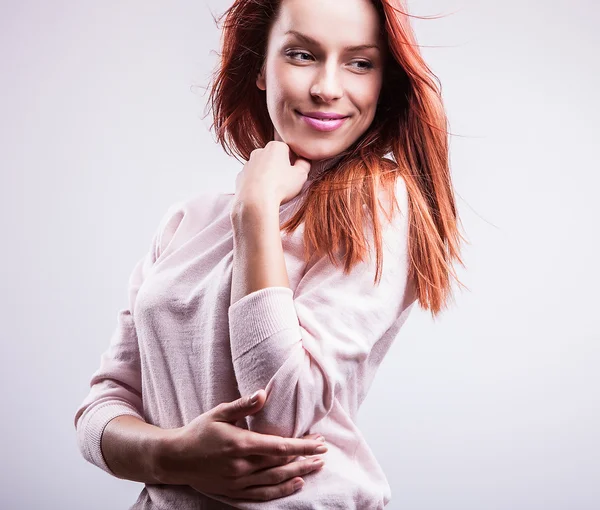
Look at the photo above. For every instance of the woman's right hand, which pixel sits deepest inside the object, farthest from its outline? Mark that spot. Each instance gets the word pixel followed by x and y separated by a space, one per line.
pixel 214 456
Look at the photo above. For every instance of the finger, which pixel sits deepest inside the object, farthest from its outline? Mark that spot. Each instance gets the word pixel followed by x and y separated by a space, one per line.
pixel 272 481
pixel 265 461
pixel 243 406
pixel 293 156
pixel 258 462
pixel 315 435
pixel 265 444
pixel 267 493
pixel 280 474
pixel 303 164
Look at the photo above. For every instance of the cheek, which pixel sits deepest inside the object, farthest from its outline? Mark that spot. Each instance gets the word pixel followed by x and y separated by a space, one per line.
pixel 364 93
pixel 283 83
pixel 371 95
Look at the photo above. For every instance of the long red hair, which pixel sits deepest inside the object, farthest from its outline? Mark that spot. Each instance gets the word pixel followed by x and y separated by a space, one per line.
pixel 410 124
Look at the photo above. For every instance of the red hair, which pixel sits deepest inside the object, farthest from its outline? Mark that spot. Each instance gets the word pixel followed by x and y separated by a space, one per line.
pixel 410 123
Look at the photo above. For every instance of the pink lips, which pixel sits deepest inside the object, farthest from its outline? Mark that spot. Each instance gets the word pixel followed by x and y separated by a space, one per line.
pixel 322 124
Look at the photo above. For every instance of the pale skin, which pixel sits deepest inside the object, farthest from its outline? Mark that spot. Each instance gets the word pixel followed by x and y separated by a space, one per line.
pixel 327 82
pixel 211 454
pixel 333 79
pixel 335 76
pixel 258 260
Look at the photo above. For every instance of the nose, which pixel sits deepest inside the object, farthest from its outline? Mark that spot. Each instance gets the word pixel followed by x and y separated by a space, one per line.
pixel 327 85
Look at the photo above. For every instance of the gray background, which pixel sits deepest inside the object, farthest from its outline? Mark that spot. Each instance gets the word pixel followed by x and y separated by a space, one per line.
pixel 493 406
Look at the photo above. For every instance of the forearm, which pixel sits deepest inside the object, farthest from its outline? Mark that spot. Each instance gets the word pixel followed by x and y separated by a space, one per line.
pixel 258 260
pixel 131 448
pixel 259 264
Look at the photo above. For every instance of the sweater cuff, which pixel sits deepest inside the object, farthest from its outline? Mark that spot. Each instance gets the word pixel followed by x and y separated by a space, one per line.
pixel 91 426
pixel 258 316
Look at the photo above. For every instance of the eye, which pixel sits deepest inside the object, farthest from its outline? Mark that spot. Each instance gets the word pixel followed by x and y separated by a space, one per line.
pixel 292 53
pixel 367 65
pixel 363 65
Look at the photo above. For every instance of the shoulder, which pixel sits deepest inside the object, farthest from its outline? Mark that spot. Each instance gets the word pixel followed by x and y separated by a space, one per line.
pixel 393 207
pixel 394 225
pixel 397 182
pixel 189 215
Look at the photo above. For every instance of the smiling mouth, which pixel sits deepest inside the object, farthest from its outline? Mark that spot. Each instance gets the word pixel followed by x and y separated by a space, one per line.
pixel 322 125
pixel 319 118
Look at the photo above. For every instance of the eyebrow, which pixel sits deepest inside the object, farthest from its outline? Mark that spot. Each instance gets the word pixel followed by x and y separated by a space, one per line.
pixel 309 40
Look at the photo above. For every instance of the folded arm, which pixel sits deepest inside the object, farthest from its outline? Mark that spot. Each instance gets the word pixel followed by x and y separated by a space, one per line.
pixel 317 344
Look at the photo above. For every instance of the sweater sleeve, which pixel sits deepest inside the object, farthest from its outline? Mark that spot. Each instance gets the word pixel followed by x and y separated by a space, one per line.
pixel 310 347
pixel 115 387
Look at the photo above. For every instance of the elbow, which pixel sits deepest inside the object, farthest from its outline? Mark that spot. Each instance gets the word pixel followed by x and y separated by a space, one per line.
pixel 296 401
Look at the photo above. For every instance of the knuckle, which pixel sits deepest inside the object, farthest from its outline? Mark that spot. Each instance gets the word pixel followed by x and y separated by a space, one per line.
pixel 312 464
pixel 262 495
pixel 229 447
pixel 237 404
pixel 241 446
pixel 231 470
pixel 269 494
pixel 237 467
pixel 282 449
pixel 288 488
pixel 256 494
pixel 277 476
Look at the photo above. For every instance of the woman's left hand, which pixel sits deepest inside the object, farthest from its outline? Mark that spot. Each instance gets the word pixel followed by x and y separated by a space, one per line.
pixel 270 176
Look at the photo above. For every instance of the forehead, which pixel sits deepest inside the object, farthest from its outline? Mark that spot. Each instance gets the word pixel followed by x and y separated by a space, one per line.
pixel 333 23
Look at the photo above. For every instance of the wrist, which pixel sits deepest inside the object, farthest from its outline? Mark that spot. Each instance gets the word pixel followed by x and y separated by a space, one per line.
pixel 161 452
pixel 246 209
pixel 250 200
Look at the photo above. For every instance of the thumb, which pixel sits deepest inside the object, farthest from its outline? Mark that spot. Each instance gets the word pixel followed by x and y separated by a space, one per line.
pixel 302 163
pixel 243 406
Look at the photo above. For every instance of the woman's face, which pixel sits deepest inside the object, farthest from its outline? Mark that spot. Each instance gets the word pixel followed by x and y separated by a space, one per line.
pixel 323 74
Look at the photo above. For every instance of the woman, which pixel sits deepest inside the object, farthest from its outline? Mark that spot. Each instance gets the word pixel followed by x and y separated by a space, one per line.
pixel 297 284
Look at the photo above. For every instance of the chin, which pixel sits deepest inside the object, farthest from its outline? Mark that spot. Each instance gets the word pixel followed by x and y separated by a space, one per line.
pixel 316 151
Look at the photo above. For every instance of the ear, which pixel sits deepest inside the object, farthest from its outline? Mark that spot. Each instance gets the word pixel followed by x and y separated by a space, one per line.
pixel 260 80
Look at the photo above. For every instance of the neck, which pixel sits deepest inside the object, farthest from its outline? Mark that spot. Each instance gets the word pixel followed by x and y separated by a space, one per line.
pixel 319 166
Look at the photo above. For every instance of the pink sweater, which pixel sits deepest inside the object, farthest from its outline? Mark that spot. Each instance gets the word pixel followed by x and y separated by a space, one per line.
pixel 179 349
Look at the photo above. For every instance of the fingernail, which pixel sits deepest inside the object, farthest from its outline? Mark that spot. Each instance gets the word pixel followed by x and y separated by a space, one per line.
pixel 320 449
pixel 298 484
pixel 321 438
pixel 254 397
